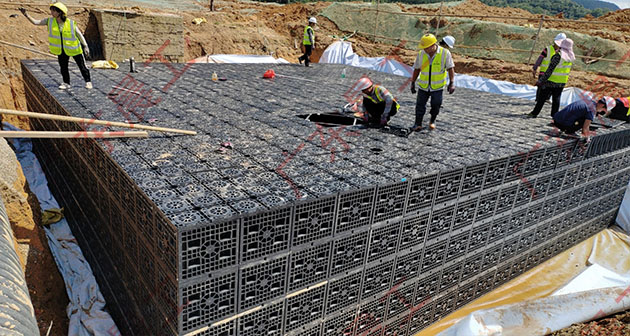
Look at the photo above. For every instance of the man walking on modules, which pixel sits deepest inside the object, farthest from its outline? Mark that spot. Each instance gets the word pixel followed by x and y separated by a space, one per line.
pixel 379 105
pixel 65 41
pixel 430 69
pixel 308 41
pixel 555 65
pixel 580 114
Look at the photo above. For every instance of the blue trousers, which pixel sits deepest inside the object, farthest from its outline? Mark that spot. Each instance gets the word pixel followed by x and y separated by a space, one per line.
pixel 421 105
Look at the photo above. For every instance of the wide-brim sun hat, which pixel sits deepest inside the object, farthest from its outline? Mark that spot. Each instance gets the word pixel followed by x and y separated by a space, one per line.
pixel 566 50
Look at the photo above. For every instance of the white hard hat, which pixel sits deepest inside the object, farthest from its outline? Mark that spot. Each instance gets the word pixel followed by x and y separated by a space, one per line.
pixel 610 102
pixel 312 20
pixel 363 84
pixel 559 38
pixel 449 40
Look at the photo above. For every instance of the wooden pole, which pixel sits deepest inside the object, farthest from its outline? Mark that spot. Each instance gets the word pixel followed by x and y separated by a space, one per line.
pixel 437 29
pixel 503 49
pixel 94 121
pixel 29 49
pixel 378 2
pixel 542 19
pixel 496 17
pixel 75 134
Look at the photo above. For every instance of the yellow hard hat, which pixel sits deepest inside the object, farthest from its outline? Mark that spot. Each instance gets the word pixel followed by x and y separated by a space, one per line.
pixel 427 40
pixel 61 7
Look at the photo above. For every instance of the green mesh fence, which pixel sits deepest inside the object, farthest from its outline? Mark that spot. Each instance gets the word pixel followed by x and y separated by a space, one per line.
pixel 468 32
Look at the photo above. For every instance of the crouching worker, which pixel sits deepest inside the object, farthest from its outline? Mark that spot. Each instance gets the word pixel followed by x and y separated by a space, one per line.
pixel 580 114
pixel 621 111
pixel 379 105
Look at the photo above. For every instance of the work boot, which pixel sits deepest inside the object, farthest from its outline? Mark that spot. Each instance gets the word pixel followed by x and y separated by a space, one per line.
pixel 530 115
pixel 300 60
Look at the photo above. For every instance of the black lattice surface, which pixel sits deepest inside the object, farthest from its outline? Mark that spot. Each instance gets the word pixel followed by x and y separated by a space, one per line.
pixel 268 223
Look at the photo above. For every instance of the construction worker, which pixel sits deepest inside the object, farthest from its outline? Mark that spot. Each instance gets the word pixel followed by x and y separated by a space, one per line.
pixel 448 42
pixel 621 111
pixel 64 40
pixel 308 41
pixel 555 65
pixel 379 105
pixel 430 70
pixel 580 114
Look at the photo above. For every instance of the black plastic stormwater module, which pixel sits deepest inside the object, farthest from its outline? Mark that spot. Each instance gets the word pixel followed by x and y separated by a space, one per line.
pixel 267 223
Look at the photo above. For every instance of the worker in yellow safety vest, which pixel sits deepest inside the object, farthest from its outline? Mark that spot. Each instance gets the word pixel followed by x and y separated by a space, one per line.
pixel 64 40
pixel 555 65
pixel 430 69
pixel 308 41
pixel 379 105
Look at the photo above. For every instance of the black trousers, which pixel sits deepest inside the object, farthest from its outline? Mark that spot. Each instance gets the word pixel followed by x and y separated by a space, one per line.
pixel 375 111
pixel 542 94
pixel 577 125
pixel 65 73
pixel 308 50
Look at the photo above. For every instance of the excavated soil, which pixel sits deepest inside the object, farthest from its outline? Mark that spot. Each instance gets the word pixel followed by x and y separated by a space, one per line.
pixel 257 28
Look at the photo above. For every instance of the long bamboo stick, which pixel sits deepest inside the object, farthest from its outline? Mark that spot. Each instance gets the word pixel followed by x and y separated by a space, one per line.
pixel 531 53
pixel 95 121
pixel 29 49
pixel 74 134
pixel 620 61
pixel 547 18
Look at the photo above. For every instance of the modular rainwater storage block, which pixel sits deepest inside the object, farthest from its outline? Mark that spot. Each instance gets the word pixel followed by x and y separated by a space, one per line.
pixel 268 224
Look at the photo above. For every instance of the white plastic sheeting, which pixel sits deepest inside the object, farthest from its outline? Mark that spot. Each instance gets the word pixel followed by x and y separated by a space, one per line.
pixel 542 316
pixel 623 217
pixel 341 52
pixel 238 59
pixel 86 307
pixel 594 277
pixel 569 94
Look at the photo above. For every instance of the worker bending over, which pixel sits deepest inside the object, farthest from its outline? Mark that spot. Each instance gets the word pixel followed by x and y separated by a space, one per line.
pixel 65 41
pixel 621 111
pixel 555 65
pixel 430 69
pixel 308 41
pixel 379 105
pixel 580 114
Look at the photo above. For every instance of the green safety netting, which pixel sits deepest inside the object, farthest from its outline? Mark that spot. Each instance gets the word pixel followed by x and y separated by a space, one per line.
pixel 468 32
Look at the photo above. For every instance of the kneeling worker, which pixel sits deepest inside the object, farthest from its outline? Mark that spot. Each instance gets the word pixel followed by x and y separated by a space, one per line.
pixel 378 103
pixel 580 114
pixel 621 111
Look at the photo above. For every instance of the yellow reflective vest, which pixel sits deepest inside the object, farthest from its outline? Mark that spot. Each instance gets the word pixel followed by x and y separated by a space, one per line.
pixel 561 73
pixel 65 37
pixel 306 40
pixel 377 94
pixel 434 71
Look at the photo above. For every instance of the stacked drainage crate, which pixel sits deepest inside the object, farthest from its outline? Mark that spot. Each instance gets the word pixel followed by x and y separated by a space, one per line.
pixel 381 260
